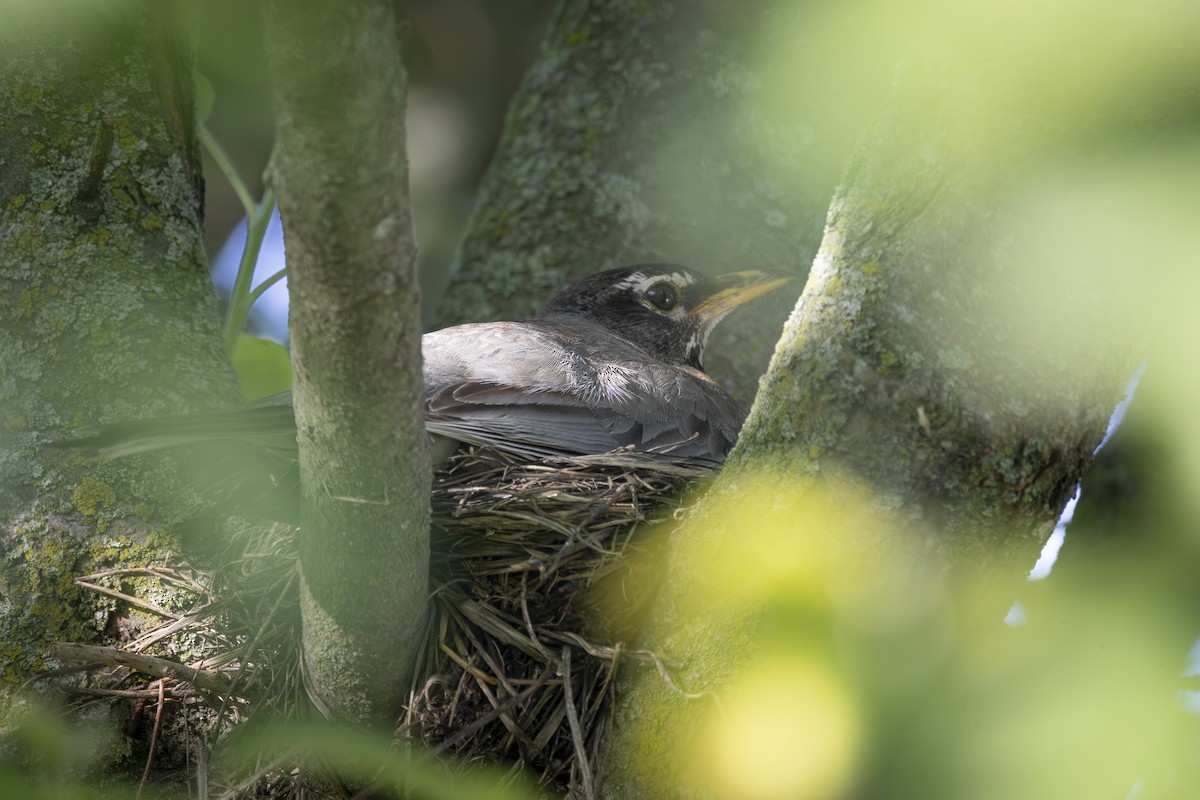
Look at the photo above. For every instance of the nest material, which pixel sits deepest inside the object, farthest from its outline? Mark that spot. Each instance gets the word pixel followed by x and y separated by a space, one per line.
pixel 518 662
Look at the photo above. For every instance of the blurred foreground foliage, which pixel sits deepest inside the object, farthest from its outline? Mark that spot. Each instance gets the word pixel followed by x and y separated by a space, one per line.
pixel 312 759
pixel 861 670
pixel 870 674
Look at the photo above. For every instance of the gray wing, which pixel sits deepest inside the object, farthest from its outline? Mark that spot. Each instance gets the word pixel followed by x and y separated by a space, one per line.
pixel 530 392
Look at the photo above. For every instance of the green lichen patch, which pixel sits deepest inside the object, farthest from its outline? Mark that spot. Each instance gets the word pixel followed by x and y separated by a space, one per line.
pixel 887 361
pixel 91 496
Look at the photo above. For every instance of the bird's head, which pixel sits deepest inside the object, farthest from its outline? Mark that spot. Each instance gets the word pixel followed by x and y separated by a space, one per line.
pixel 667 310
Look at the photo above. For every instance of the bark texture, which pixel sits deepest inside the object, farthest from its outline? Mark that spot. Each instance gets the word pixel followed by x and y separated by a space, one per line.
pixel 912 362
pixel 641 134
pixel 106 310
pixel 341 175
pixel 910 367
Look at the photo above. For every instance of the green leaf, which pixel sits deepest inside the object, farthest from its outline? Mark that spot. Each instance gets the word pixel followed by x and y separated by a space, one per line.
pixel 263 367
pixel 364 757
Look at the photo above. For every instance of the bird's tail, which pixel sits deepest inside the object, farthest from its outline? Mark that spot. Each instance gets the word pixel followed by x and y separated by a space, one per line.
pixel 270 426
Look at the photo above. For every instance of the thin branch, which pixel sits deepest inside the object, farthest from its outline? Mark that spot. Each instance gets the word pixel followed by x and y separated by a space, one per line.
pixel 226 165
pixel 258 291
pixel 158 712
pixel 206 680
pixel 240 299
pixel 135 601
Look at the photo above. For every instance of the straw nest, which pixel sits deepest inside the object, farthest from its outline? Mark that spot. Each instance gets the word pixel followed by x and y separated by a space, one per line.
pixel 521 652
pixel 522 649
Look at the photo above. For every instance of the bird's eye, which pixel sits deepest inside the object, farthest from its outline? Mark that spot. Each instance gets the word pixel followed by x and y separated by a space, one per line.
pixel 662 296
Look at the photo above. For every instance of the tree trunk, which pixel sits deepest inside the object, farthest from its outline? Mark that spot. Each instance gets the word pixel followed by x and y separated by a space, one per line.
pixel 106 308
pixel 340 170
pixel 913 431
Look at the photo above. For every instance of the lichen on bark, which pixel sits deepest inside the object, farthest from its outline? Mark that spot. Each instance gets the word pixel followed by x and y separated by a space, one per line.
pixel 105 306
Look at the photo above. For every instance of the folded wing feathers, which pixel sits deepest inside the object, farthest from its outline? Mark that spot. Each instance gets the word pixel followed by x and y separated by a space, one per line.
pixel 662 409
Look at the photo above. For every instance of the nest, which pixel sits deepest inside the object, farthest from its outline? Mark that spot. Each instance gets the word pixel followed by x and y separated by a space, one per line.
pixel 520 655
pixel 520 659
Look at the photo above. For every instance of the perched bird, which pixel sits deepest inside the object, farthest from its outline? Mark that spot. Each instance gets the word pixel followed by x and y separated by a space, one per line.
pixel 613 361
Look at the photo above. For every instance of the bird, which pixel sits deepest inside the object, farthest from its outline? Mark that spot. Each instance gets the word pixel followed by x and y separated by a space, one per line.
pixel 613 361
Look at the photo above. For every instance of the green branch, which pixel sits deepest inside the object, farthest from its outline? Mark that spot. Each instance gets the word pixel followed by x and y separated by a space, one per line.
pixel 258 216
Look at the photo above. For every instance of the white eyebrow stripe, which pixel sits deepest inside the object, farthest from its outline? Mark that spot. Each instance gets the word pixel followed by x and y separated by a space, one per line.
pixel 640 281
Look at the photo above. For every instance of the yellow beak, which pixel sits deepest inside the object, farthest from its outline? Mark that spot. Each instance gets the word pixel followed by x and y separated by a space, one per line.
pixel 735 289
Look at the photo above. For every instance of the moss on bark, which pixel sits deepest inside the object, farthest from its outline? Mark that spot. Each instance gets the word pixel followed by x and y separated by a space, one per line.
pixel 105 306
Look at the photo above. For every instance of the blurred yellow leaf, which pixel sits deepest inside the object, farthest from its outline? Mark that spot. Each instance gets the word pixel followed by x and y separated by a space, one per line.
pixel 785 729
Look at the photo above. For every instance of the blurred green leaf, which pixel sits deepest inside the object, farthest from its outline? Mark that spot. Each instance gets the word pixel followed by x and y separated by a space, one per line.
pixel 205 96
pixel 263 367
pixel 365 757
pixel 47 756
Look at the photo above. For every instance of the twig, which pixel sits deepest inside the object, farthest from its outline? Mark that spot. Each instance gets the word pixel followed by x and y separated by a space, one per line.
pixel 95 587
pixel 163 631
pixel 225 163
pixel 267 283
pixel 162 701
pixel 206 680
pixel 162 573
pixel 133 694
pixel 670 682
